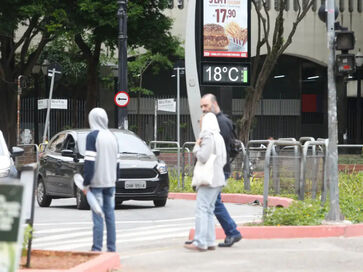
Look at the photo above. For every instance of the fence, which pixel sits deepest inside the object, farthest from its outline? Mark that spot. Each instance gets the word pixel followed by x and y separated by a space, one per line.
pixel 268 121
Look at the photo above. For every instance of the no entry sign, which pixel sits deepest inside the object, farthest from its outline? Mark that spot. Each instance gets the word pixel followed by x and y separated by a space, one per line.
pixel 122 99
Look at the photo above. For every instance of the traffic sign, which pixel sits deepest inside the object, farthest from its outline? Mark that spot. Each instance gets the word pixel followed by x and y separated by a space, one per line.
pixel 122 99
pixel 166 105
pixel 61 104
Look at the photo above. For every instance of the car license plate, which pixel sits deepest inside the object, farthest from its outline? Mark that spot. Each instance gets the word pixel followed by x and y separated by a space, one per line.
pixel 135 184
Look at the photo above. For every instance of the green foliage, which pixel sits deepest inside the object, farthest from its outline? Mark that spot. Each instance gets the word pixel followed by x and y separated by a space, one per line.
pixel 308 212
pixel 27 235
pixel 299 213
pixel 351 196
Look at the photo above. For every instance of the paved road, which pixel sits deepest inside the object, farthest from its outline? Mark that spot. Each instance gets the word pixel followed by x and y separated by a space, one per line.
pixel 151 239
pixel 138 224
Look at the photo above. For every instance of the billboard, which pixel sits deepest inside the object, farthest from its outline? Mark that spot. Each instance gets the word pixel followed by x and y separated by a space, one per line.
pixel 225 32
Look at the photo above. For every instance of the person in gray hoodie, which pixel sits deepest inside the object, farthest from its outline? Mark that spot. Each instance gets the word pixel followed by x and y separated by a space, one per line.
pixel 100 174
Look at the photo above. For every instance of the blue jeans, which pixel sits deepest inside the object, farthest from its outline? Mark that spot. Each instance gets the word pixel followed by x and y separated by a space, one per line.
pixel 226 221
pixel 106 199
pixel 205 234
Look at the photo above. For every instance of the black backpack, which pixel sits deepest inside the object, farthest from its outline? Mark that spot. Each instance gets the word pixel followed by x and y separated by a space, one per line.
pixel 235 145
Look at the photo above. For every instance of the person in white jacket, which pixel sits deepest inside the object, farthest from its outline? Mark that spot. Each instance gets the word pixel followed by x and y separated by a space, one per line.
pixel 210 141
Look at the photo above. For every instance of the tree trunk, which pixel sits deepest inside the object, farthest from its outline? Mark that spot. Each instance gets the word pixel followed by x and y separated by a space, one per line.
pixel 253 97
pixel 92 86
pixel 8 113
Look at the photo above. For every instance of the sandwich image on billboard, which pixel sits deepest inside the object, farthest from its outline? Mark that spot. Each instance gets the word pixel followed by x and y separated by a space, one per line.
pixel 225 28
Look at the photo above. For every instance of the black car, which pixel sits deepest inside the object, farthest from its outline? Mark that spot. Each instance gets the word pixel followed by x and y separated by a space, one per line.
pixel 142 176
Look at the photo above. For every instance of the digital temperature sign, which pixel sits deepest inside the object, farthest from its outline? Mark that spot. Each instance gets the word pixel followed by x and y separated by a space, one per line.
pixel 225 74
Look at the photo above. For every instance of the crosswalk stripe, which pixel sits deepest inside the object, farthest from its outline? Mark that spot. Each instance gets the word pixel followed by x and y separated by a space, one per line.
pixel 52 242
pixel 68 235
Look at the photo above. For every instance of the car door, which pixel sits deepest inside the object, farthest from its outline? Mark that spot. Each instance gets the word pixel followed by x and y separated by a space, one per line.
pixel 69 166
pixel 50 164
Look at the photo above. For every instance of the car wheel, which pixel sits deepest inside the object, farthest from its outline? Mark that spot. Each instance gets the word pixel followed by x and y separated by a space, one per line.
pixel 43 199
pixel 160 202
pixel 82 203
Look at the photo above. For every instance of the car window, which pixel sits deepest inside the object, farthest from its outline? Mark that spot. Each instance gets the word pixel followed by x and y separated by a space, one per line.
pixel 129 143
pixel 56 143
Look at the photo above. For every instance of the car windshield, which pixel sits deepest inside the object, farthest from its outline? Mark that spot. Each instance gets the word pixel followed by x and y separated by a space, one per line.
pixel 128 144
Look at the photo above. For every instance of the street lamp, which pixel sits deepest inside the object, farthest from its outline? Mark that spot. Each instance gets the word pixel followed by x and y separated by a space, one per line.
pixel 359 65
pixel 122 60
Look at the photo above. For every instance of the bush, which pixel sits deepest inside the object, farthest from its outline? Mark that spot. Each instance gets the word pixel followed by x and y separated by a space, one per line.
pixel 351 196
pixel 299 213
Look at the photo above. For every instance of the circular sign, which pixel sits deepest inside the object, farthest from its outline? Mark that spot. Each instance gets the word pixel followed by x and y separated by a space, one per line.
pixel 122 99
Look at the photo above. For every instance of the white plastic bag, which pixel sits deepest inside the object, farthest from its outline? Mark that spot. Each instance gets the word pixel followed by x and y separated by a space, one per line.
pixel 92 201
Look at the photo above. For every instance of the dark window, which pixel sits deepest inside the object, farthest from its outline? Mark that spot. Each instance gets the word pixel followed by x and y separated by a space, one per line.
pixel 171 4
pixel 360 6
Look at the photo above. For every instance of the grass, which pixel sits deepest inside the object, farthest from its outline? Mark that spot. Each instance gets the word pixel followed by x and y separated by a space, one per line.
pixel 307 212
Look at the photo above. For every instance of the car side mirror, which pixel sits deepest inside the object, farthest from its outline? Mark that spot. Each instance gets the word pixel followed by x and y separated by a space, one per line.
pixel 16 151
pixel 156 152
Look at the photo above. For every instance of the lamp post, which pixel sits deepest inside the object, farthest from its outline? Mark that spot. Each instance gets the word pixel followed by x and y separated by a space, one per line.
pixel 359 65
pixel 122 61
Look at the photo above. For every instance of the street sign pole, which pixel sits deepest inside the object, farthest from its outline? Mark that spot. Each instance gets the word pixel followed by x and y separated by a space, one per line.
pixel 48 106
pixel 18 111
pixel 122 122
pixel 334 211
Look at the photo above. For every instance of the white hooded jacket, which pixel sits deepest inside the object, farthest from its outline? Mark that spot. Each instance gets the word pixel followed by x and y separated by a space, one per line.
pixel 212 142
pixel 100 165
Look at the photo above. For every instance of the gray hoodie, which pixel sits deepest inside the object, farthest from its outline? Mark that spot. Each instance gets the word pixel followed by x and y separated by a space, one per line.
pixel 100 165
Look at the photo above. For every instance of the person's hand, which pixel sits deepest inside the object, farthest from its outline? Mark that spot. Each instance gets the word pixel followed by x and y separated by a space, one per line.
pixel 199 141
pixel 85 190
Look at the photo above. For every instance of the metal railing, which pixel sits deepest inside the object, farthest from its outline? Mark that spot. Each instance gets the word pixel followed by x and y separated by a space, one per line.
pixel 178 153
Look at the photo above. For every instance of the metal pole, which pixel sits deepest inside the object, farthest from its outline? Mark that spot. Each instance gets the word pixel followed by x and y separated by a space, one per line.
pixel 122 61
pixel 334 211
pixel 155 122
pixel 18 111
pixel 359 107
pixel 178 119
pixel 48 105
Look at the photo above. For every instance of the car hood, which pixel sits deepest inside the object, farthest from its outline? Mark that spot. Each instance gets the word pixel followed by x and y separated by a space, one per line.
pixel 135 162
pixel 4 162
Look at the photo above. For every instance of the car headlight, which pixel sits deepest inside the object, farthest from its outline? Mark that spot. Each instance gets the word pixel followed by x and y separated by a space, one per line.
pixel 162 168
pixel 4 172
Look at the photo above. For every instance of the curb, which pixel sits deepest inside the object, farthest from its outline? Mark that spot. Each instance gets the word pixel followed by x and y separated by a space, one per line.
pixel 273 201
pixel 277 232
pixel 104 262
pixel 286 232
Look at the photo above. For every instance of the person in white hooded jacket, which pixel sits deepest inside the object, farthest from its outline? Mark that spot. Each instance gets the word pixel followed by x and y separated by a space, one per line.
pixel 210 142
pixel 100 174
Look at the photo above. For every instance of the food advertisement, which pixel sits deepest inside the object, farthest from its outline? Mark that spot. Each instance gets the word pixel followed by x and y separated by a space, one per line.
pixel 225 28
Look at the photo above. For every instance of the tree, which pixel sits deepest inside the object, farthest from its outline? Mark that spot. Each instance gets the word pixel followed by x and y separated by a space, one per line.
pixel 37 22
pixel 137 68
pixel 262 67
pixel 94 23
